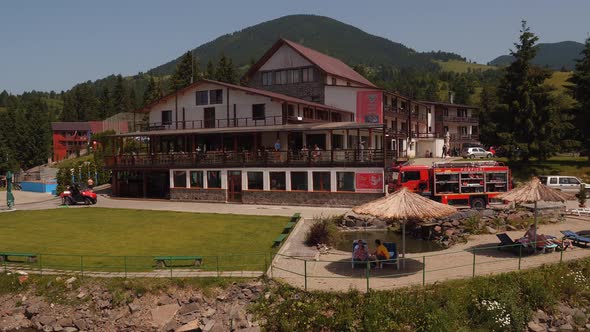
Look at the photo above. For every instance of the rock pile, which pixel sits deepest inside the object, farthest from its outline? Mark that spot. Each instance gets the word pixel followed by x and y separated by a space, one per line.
pixel 97 309
pixel 565 318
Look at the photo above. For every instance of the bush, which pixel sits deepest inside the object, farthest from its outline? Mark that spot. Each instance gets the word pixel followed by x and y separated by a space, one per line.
pixel 323 230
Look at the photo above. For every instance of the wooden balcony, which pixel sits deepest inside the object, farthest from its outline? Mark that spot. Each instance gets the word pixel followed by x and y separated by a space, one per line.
pixel 464 137
pixel 228 159
pixel 215 123
pixel 460 119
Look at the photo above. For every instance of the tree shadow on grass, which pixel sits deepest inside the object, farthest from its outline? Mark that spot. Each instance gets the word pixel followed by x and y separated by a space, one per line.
pixel 344 268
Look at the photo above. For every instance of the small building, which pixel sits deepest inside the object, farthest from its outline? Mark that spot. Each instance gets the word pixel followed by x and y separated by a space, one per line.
pixel 460 121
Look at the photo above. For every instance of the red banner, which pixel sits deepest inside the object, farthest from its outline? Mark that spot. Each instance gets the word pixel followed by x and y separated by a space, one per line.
pixel 369 182
pixel 369 107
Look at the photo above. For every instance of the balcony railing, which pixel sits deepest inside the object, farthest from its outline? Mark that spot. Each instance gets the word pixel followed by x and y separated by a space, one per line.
pixel 215 123
pixel 463 119
pixel 303 158
pixel 392 110
pixel 464 137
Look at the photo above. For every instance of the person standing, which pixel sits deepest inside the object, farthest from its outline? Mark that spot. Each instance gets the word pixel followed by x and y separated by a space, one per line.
pixel 444 151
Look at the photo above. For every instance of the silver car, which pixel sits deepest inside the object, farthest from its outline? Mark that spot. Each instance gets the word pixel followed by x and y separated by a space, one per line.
pixel 565 183
pixel 476 152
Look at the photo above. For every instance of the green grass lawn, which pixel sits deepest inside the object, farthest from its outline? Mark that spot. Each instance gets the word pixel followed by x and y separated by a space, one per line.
pixel 99 232
pixel 457 66
pixel 563 165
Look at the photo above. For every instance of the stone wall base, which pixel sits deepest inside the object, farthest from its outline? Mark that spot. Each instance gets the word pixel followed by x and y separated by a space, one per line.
pixel 201 195
pixel 328 199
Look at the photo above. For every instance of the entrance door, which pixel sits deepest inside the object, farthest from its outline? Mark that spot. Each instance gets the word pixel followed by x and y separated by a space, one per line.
pixel 234 186
pixel 209 117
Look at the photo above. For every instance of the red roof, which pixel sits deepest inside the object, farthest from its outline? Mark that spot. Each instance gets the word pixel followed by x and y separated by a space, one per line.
pixel 269 94
pixel 326 63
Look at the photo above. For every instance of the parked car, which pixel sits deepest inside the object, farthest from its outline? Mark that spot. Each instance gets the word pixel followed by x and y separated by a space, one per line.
pixel 565 183
pixel 476 153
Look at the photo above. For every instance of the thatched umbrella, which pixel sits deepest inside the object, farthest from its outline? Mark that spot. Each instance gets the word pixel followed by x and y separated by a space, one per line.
pixel 534 191
pixel 403 205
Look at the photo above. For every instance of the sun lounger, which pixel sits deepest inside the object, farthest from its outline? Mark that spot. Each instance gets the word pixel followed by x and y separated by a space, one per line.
pixel 392 248
pixel 580 212
pixel 506 242
pixel 576 238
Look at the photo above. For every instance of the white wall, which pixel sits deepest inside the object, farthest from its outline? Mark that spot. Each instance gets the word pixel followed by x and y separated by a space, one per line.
pixel 341 97
pixel 285 57
pixel 192 112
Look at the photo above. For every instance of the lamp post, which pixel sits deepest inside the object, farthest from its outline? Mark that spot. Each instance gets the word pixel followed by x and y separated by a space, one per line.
pixel 9 195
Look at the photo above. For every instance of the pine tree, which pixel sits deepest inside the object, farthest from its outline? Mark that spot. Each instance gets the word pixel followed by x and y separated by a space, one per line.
pixel 120 97
pixel 581 92
pixel 210 72
pixel 225 71
pixel 37 145
pixel 105 108
pixel 529 123
pixel 487 124
pixel 183 73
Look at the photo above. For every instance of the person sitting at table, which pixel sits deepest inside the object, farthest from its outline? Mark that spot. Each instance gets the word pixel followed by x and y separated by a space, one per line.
pixel 360 253
pixel 380 254
pixel 316 152
pixel 304 152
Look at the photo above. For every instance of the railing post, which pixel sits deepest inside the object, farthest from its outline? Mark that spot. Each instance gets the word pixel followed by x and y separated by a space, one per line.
pixel 270 256
pixel 265 266
pixel 367 272
pixel 125 265
pixel 423 270
pixel 474 263
pixel 519 255
pixel 82 265
pixel 40 265
pixel 217 265
pixel 305 273
pixel 170 269
pixel 561 254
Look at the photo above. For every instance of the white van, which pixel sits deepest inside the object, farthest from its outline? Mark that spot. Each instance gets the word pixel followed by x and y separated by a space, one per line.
pixel 564 183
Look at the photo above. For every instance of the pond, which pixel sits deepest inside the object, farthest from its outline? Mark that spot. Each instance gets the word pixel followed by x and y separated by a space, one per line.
pixel 413 245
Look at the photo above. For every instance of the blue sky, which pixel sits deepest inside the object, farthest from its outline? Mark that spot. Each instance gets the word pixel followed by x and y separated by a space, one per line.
pixel 52 45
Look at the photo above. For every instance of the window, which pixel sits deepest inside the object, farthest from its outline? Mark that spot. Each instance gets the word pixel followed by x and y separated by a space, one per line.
pixel 345 181
pixel 267 78
pixel 463 131
pixel 196 179
pixel 446 129
pixel 323 115
pixel 446 112
pixel 348 83
pixel 299 181
pixel 214 179
pixel 403 105
pixel 410 176
pixel 277 181
pixel 321 181
pixel 307 75
pixel 291 110
pixel 166 117
pixel 216 96
pixel 179 179
pixel 462 113
pixel 258 112
pixel 333 80
pixel 255 181
pixel 307 113
pixel 553 181
pixel 294 76
pixel 202 97
pixel 336 117
pixel 281 77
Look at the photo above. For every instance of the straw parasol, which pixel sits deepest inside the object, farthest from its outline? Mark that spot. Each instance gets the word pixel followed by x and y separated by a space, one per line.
pixel 534 191
pixel 403 205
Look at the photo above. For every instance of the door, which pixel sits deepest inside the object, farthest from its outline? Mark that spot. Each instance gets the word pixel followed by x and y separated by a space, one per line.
pixel 234 186
pixel 209 117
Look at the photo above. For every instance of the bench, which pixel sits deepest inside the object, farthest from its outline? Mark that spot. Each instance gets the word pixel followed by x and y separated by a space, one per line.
pixel 279 240
pixel 29 258
pixel 162 261
pixel 295 218
pixel 288 227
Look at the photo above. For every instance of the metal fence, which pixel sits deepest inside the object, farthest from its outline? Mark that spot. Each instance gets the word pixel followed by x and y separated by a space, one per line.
pixel 248 264
pixel 342 274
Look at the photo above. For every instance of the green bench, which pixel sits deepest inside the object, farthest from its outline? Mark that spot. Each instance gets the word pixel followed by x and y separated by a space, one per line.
pixel 162 261
pixel 295 218
pixel 288 227
pixel 29 258
pixel 279 240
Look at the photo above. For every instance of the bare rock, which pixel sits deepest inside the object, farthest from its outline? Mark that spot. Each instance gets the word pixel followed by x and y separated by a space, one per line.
pixel 66 322
pixel 14 322
pixel 164 314
pixel 210 312
pixel 191 326
pixel 491 230
pixel 449 232
pixel 33 309
pixel 249 329
pixel 133 307
pixel 534 327
pixel 44 320
pixel 209 326
pixel 70 280
pixel 69 329
pixel 165 299
pixel 80 324
pixel 566 327
pixel 541 316
pixel 456 223
pixel 196 298
pixel 189 308
pixel 510 228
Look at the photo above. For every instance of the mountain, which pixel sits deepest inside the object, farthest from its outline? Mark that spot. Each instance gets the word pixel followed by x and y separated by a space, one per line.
pixel 324 34
pixel 552 55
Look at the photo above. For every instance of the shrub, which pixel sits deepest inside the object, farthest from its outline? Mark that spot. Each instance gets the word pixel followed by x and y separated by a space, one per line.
pixel 323 230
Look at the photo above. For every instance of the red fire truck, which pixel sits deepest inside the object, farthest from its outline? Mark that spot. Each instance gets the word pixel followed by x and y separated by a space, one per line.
pixel 473 184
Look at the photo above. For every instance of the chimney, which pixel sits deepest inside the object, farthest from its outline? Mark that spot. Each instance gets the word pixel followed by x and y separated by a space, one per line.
pixel 451 97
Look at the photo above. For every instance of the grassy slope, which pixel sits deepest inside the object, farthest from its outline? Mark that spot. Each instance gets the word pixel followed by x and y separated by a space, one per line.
pixel 462 66
pixel 71 162
pixel 118 232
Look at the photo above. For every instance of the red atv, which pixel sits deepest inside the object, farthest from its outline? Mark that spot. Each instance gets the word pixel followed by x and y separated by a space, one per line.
pixel 72 196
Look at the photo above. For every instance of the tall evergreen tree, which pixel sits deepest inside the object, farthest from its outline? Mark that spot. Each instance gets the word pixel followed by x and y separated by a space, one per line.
pixel 105 104
pixel 529 123
pixel 120 97
pixel 210 71
pixel 80 104
pixel 225 71
pixel 153 91
pixel 581 92
pixel 36 147
pixel 184 72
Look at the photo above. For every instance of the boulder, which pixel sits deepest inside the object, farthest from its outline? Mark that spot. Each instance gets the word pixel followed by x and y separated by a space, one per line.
pixel 80 324
pixel 189 308
pixel 210 312
pixel 491 230
pixel 191 326
pixel 566 327
pixel 133 307
pixel 163 314
pixel 534 327
pixel 209 326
